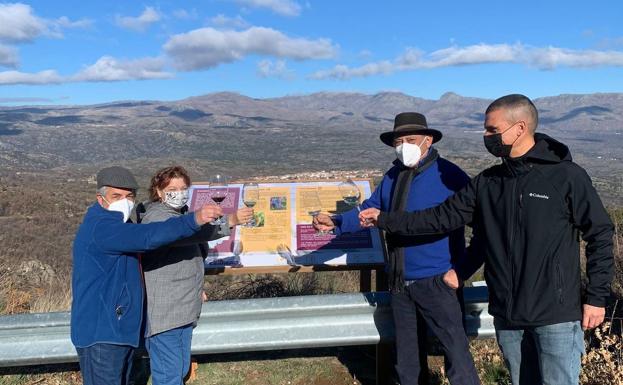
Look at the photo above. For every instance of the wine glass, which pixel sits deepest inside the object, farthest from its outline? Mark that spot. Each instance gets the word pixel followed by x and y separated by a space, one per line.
pixel 250 196
pixel 315 206
pixel 236 249
pixel 220 189
pixel 350 193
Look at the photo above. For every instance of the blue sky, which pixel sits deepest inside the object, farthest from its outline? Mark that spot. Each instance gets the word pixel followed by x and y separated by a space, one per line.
pixel 83 52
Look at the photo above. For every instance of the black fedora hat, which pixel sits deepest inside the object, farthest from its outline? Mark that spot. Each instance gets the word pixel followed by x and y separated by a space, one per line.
pixel 409 123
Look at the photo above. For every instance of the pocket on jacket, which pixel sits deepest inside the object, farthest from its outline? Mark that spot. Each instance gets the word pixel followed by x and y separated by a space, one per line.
pixel 123 302
pixel 559 280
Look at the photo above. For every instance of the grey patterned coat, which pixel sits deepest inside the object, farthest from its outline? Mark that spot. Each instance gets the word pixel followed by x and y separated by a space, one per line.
pixel 174 275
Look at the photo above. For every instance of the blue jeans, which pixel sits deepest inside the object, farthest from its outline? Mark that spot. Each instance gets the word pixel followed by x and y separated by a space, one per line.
pixel 105 364
pixel 548 355
pixel 169 355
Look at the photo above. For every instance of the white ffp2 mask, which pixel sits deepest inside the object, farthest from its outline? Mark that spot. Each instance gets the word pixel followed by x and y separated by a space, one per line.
pixel 124 206
pixel 409 154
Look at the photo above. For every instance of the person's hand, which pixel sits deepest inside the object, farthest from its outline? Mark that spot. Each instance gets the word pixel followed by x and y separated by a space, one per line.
pixel 207 213
pixel 369 217
pixel 323 222
pixel 204 296
pixel 592 316
pixel 451 279
pixel 244 215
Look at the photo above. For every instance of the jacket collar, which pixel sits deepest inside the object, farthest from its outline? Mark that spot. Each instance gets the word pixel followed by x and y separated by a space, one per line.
pixel 545 150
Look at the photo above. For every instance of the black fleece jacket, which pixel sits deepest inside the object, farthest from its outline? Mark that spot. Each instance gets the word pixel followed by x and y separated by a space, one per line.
pixel 529 213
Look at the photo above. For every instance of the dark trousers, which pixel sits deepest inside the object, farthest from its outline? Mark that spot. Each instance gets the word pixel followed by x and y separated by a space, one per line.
pixel 438 305
pixel 105 364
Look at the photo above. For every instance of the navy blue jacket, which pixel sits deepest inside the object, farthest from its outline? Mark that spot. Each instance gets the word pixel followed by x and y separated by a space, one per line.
pixel 107 305
pixel 425 256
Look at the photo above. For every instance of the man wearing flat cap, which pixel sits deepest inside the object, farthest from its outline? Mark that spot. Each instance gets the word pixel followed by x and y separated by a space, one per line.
pixel 419 267
pixel 107 305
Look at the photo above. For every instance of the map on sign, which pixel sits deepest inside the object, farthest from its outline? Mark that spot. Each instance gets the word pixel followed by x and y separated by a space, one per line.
pixel 283 234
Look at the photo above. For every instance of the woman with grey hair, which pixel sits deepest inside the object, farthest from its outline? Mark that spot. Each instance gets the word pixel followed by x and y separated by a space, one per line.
pixel 174 278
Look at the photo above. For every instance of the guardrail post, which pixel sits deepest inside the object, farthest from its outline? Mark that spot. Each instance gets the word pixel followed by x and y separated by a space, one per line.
pixel 384 363
pixel 381 280
pixel 365 280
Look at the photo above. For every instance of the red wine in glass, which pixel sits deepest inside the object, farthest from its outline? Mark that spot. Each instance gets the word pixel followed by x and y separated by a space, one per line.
pixel 218 199
pixel 219 184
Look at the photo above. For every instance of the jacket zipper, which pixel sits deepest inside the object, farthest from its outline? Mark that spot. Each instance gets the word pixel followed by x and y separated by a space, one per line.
pixel 511 237
pixel 520 216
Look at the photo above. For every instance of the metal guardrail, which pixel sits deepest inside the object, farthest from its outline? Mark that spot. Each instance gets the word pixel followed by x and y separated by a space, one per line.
pixel 245 325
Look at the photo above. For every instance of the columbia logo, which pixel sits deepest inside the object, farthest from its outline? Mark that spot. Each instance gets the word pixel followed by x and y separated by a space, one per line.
pixel 540 196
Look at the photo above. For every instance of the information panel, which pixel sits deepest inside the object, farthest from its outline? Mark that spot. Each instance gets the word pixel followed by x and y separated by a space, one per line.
pixel 283 234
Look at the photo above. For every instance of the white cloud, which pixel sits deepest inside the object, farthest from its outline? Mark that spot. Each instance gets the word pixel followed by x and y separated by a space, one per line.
pixel 542 58
pixel 277 69
pixel 183 14
pixel 474 54
pixel 109 69
pixel 8 56
pixel 43 77
pixel 18 23
pixel 208 47
pixel 223 21
pixel 64 22
pixel 106 69
pixel 282 7
pixel 364 54
pixel 141 22
pixel 552 57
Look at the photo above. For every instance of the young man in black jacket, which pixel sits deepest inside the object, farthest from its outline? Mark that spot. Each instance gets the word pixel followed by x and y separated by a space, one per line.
pixel 530 211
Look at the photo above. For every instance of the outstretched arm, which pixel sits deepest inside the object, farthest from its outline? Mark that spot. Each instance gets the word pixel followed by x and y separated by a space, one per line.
pixel 455 212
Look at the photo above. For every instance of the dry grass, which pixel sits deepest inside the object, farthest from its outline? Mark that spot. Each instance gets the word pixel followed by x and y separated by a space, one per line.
pixel 32 287
pixel 489 362
pixel 617 281
pixel 280 285
pixel 603 362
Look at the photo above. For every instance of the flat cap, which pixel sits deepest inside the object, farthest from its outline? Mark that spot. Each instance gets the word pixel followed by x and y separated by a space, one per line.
pixel 116 177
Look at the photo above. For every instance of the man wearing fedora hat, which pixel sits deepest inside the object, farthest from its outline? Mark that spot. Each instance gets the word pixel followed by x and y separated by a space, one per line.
pixel 107 304
pixel 530 210
pixel 417 265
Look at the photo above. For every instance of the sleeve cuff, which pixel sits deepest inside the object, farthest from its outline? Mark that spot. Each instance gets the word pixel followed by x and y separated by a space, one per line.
pixel 381 221
pixel 596 301
pixel 193 221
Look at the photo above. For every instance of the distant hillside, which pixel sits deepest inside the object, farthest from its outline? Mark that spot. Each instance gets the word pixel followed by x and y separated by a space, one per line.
pixel 322 131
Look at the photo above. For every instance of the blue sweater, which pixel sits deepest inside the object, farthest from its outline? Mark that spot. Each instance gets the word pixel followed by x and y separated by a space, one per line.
pixel 107 305
pixel 425 256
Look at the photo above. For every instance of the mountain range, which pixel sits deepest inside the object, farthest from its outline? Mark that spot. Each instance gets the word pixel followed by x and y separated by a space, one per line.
pixel 243 136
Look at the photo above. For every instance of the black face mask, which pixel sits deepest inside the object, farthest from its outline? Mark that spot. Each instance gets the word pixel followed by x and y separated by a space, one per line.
pixel 494 144
pixel 496 147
